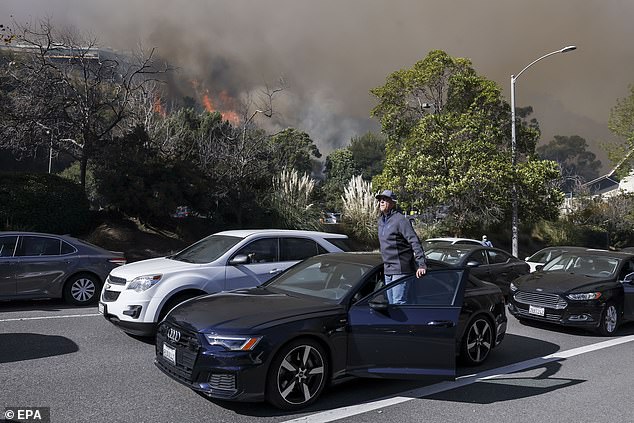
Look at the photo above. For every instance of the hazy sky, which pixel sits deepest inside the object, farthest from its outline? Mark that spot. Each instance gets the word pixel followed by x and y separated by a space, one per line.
pixel 332 52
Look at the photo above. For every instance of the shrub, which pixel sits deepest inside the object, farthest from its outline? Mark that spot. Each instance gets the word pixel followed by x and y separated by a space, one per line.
pixel 43 203
pixel 291 201
pixel 360 212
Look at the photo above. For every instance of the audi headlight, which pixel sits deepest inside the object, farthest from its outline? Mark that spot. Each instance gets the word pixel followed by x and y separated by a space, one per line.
pixel 143 283
pixel 234 343
pixel 585 296
pixel 513 287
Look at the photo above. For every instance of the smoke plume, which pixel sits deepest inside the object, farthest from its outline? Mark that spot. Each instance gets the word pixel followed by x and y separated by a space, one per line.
pixel 332 52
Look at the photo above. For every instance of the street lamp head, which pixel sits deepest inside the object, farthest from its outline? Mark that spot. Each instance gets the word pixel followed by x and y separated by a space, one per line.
pixel 567 49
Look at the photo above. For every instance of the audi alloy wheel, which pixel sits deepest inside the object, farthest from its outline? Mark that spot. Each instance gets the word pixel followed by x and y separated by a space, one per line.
pixel 477 342
pixel 298 375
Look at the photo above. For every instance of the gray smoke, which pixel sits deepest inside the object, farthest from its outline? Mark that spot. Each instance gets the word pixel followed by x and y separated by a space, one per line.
pixel 332 52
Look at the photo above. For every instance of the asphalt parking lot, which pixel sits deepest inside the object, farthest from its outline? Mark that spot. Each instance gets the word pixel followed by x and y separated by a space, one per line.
pixel 84 369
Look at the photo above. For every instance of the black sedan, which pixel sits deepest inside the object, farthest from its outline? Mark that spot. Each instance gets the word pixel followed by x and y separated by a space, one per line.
pixel 592 289
pixel 487 263
pixel 325 318
pixel 39 265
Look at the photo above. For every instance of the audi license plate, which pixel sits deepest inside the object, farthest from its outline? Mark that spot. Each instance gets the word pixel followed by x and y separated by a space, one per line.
pixel 169 354
pixel 537 311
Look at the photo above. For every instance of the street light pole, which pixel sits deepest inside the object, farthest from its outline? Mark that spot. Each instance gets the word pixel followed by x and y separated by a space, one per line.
pixel 514 217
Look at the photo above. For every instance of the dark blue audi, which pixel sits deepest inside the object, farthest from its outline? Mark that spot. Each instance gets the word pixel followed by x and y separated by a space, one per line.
pixel 325 318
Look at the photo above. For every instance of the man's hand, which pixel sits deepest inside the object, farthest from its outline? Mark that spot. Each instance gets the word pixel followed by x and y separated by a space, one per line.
pixel 420 272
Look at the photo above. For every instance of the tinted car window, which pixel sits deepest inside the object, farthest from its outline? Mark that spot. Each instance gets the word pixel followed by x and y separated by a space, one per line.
pixel 261 251
pixel 67 248
pixel 436 288
pixel 39 246
pixel 297 249
pixel 497 257
pixel 7 245
pixel 479 256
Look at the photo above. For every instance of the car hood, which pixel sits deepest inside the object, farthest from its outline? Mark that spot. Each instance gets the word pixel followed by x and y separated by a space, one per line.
pixel 151 266
pixel 246 309
pixel 559 282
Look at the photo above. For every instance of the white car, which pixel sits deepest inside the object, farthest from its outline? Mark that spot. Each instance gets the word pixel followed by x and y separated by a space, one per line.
pixel 450 240
pixel 138 295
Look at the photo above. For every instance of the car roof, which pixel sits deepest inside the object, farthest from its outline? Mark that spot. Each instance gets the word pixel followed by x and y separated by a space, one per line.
pixel 243 233
pixel 28 233
pixel 604 253
pixel 460 247
pixel 453 239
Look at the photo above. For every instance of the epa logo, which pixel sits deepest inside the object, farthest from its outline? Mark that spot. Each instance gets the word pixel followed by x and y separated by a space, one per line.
pixel 27 414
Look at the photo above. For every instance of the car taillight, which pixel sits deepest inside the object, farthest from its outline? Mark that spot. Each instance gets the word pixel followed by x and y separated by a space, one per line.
pixel 119 261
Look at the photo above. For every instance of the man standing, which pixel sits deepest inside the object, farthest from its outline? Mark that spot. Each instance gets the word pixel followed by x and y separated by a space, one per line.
pixel 486 242
pixel 401 249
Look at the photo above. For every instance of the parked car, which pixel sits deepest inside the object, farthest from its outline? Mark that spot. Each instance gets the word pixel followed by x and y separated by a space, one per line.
pixel 591 289
pixel 488 263
pixel 136 296
pixel 325 318
pixel 544 255
pixel 428 243
pixel 40 265
pixel 331 218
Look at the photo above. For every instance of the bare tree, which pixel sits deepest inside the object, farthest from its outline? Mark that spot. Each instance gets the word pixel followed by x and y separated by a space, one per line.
pixel 62 89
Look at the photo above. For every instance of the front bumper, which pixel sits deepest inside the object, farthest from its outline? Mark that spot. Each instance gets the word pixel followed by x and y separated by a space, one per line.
pixel 585 314
pixel 211 370
pixel 131 312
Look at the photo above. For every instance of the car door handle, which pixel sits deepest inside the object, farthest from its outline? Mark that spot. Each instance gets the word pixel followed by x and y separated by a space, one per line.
pixel 273 271
pixel 441 323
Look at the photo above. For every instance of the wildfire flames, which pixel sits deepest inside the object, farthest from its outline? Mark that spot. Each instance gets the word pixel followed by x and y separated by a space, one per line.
pixel 158 107
pixel 222 103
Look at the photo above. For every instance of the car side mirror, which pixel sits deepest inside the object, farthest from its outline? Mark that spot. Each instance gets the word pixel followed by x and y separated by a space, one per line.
pixel 378 303
pixel 526 259
pixel 473 263
pixel 240 259
pixel 539 267
pixel 629 278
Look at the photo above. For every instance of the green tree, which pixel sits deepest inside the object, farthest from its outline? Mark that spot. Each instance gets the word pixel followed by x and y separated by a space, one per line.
pixel 339 169
pixel 293 149
pixel 448 145
pixel 368 154
pixel 621 123
pixel 135 179
pixel 576 164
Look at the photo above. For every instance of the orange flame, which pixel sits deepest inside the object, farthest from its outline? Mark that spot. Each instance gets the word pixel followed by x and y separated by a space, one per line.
pixel 158 107
pixel 207 104
pixel 226 108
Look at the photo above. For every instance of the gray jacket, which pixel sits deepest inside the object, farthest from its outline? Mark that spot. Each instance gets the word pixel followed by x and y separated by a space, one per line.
pixel 400 247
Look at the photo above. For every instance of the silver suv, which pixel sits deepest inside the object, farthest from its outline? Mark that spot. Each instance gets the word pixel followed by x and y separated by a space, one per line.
pixel 138 295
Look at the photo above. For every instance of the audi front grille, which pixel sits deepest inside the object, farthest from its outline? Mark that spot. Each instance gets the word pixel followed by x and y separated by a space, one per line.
pixel 187 347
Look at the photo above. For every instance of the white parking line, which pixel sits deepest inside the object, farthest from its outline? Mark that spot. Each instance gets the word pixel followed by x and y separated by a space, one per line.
pixel 343 412
pixel 17 319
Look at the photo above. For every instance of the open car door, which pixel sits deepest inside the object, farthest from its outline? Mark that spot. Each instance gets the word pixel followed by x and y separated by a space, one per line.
pixel 416 339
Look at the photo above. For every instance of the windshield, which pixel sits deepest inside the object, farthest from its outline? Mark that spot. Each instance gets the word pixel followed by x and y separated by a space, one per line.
pixel 583 264
pixel 545 255
pixel 322 277
pixel 207 249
